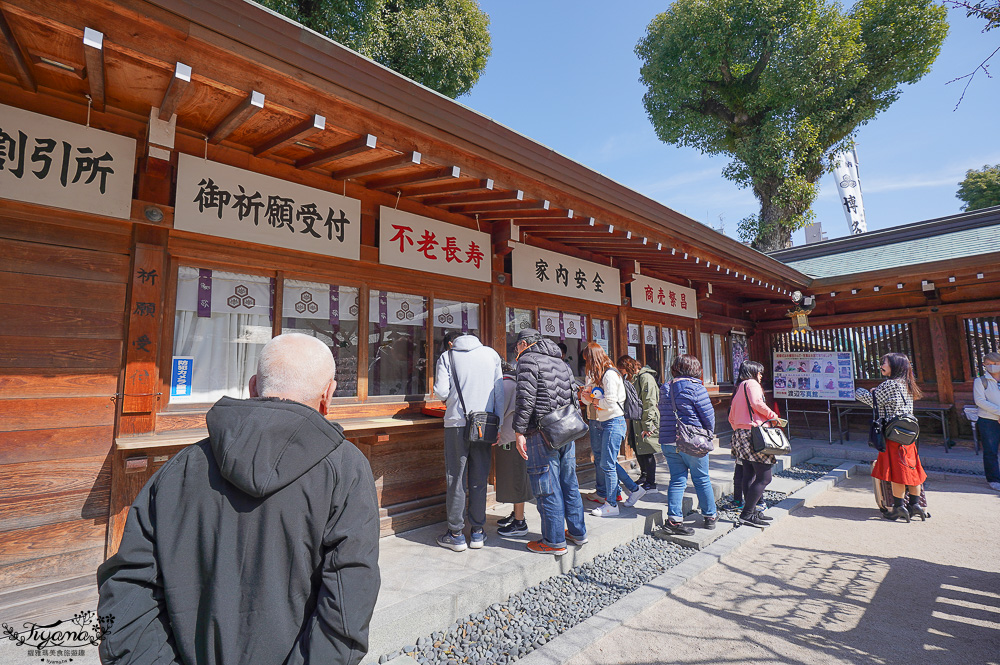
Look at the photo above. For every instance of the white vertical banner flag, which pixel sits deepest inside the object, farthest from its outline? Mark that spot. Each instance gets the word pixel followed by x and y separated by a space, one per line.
pixel 845 169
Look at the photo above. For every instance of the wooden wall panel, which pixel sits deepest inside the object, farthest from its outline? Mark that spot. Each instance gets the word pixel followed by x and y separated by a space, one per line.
pixel 55 444
pixel 26 479
pixel 90 503
pixel 66 564
pixel 45 291
pixel 51 540
pixel 28 414
pixel 408 467
pixel 57 353
pixel 69 322
pixel 53 261
pixel 57 384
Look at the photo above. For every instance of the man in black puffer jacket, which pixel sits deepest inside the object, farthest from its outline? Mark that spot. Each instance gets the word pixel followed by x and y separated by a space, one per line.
pixel 544 384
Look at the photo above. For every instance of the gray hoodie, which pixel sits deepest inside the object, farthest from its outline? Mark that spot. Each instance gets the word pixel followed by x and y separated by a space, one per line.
pixel 478 371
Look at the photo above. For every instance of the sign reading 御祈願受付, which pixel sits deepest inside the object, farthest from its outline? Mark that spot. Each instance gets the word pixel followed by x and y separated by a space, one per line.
pixel 420 243
pixel 57 163
pixel 220 200
pixel 664 297
pixel 540 270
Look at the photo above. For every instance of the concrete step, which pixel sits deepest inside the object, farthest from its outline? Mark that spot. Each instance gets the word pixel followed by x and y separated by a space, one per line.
pixel 701 538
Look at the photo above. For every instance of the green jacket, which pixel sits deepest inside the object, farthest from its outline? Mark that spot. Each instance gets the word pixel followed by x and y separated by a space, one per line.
pixel 649 394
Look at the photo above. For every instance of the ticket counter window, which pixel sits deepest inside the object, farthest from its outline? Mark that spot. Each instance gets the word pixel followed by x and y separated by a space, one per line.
pixel 221 322
pixel 397 344
pixel 601 333
pixel 452 315
pixel 517 320
pixel 651 348
pixel 329 313
pixel 568 330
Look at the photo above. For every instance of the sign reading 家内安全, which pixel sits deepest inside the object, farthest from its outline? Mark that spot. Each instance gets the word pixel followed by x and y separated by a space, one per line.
pixel 664 297
pixel 221 200
pixel 540 270
pixel 420 243
pixel 57 163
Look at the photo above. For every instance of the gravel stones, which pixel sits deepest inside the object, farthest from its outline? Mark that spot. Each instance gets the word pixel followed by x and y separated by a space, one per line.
pixel 507 631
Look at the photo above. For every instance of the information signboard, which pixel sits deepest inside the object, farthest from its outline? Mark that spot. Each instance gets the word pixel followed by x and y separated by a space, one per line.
pixel 821 375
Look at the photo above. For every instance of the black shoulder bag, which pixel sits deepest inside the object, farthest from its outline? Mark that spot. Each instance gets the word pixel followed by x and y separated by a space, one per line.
pixel 765 439
pixel 562 426
pixel 875 438
pixel 480 426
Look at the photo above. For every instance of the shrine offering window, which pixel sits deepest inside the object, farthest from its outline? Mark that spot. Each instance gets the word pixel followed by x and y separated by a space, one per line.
pixel 668 336
pixel 720 358
pixel 601 333
pixel 570 332
pixel 221 323
pixel 397 344
pixel 651 347
pixel 452 315
pixel 517 320
pixel 329 313
pixel 708 374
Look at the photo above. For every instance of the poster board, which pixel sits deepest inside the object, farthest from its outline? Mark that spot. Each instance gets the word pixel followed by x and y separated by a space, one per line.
pixel 820 375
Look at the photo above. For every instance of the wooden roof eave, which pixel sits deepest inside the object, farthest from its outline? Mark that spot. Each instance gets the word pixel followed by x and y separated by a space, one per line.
pixel 268 36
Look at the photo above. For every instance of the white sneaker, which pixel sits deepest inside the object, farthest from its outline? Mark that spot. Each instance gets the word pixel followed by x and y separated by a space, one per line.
pixel 634 497
pixel 605 511
pixel 995 486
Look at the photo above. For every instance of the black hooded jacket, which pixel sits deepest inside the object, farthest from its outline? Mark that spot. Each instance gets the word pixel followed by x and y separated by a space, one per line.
pixel 544 384
pixel 256 545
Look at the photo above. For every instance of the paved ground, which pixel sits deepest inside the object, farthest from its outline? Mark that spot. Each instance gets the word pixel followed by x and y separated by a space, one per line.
pixel 834 583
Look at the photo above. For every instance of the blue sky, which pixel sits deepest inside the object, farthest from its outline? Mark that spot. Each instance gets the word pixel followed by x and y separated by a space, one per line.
pixel 565 74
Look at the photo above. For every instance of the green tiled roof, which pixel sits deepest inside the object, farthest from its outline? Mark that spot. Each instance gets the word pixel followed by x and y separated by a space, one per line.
pixel 957 244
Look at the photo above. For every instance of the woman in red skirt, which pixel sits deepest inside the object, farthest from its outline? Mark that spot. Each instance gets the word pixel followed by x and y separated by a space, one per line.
pixel 898 464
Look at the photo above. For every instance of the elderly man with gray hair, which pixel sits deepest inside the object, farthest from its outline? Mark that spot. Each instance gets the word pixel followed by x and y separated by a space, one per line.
pixel 258 544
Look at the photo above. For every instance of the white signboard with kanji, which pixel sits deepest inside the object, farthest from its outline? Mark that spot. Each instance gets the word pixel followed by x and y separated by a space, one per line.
pixel 664 297
pixel 825 375
pixel 421 243
pixel 62 164
pixel 220 200
pixel 540 270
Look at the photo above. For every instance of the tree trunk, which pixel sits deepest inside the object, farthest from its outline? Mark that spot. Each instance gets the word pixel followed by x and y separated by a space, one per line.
pixel 771 233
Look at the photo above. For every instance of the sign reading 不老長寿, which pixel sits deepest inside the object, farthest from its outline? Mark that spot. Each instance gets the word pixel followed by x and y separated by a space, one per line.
pixel 664 297
pixel 220 200
pixel 420 243
pixel 540 270
pixel 57 163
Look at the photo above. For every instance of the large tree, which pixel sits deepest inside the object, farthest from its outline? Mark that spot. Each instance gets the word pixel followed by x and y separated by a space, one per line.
pixel 443 44
pixel 780 85
pixel 980 189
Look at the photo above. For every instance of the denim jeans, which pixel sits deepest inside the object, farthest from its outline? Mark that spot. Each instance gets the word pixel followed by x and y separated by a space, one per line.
pixel 680 464
pixel 989 432
pixel 612 433
pixel 557 491
pixel 595 448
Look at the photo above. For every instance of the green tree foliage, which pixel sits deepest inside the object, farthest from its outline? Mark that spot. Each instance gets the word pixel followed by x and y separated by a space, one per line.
pixel 442 44
pixel 780 85
pixel 980 189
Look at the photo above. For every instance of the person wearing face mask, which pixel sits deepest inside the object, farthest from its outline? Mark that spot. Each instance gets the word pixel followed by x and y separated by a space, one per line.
pixel 986 393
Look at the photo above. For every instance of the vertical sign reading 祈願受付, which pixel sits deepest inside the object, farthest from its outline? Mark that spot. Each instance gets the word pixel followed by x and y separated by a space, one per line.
pixel 664 297
pixel 220 200
pixel 420 243
pixel 540 270
pixel 57 163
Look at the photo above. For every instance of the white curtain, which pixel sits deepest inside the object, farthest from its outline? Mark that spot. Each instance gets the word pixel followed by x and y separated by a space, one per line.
pixel 706 358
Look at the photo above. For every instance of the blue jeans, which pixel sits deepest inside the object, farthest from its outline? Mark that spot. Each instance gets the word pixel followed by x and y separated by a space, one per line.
pixel 989 432
pixel 680 464
pixel 612 434
pixel 595 448
pixel 557 491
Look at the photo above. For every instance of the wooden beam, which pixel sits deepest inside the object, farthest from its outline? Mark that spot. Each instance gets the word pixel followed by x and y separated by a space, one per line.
pixel 442 173
pixel 387 164
pixel 175 90
pixel 528 214
pixel 245 110
pixel 449 187
pixel 93 53
pixel 340 151
pixel 504 237
pixel 498 206
pixel 301 130
pixel 492 196
pixel 12 55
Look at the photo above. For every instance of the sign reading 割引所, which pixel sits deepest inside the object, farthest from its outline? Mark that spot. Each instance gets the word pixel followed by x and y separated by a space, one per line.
pixel 420 243
pixel 664 297
pixel 221 200
pixel 57 163
pixel 540 270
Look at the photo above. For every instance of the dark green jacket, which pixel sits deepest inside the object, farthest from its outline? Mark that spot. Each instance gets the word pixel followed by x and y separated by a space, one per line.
pixel 649 394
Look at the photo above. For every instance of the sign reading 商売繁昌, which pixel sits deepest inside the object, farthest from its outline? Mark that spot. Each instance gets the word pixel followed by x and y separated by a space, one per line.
pixel 664 297
pixel 57 163
pixel 421 243
pixel 221 200
pixel 540 270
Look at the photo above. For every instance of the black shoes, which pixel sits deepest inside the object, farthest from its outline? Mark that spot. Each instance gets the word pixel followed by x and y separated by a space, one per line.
pixel 514 529
pixel 710 522
pixel 898 513
pixel 755 519
pixel 506 520
pixel 677 528
pixel 915 510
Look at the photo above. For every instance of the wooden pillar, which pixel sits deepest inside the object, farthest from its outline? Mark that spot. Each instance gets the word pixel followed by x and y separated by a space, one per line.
pixel 942 365
pixel 498 319
pixel 622 333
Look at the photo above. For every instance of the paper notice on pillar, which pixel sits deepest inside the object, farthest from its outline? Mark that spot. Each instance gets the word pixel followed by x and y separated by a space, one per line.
pixel 421 243
pixel 849 190
pixel 220 200
pixel 659 296
pixel 543 271
pixel 62 164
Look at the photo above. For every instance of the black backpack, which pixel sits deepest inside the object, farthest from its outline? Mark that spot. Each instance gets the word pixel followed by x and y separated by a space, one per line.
pixel 632 406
